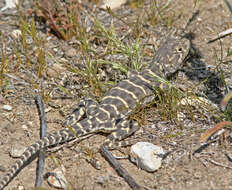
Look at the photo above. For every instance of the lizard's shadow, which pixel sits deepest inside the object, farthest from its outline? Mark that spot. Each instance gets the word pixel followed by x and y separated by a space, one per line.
pixel 209 80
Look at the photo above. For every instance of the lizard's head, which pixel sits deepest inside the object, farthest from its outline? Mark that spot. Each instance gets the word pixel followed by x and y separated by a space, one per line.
pixel 172 54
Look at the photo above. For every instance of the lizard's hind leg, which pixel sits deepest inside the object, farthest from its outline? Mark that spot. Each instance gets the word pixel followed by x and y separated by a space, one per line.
pixel 124 129
pixel 85 108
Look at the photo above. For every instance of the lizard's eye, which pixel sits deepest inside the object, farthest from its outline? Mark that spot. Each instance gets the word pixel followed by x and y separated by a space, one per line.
pixel 179 49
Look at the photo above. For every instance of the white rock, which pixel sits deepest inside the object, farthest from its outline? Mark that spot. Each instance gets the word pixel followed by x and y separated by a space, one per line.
pixel 57 179
pixel 147 156
pixel 7 107
pixel 17 150
pixel 9 4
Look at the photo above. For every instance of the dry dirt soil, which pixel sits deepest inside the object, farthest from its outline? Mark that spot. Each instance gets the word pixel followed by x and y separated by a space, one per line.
pixel 209 168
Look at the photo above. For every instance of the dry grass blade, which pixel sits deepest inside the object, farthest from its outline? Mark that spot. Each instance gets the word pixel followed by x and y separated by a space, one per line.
pixel 219 164
pixel 213 130
pixel 229 6
pixel 225 101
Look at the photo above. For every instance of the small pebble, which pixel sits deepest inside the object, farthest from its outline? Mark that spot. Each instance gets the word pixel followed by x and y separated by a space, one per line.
pixel 5 124
pixel 16 34
pixel 147 156
pixel 70 52
pixel 46 110
pixel 103 179
pixel 20 187
pixel 55 70
pixel 112 4
pixel 17 150
pixel 24 127
pixel 57 179
pixel 7 108
pixel 2 168
pixel 30 123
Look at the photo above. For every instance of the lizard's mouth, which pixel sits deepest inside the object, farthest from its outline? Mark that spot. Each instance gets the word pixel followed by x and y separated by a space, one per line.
pixel 190 56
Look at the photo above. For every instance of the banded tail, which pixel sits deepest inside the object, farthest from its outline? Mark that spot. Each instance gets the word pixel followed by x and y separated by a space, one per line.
pixel 58 137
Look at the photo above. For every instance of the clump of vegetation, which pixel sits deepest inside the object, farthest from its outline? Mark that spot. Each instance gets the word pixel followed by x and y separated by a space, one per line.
pixel 28 30
pixel 4 64
pixel 60 17
pixel 157 14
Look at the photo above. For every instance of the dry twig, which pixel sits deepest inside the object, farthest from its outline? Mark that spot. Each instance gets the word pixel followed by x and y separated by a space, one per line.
pixel 119 169
pixel 221 35
pixel 43 129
